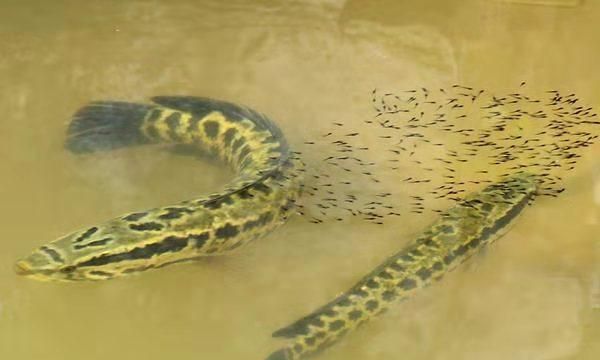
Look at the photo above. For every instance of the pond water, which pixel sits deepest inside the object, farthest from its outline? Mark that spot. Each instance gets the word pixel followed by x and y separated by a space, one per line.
pixel 533 295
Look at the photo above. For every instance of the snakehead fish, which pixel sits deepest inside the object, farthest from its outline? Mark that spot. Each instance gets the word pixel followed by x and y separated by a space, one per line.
pixel 260 198
pixel 460 232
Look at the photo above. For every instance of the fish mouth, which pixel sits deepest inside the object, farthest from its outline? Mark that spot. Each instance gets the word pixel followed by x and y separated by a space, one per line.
pixel 23 268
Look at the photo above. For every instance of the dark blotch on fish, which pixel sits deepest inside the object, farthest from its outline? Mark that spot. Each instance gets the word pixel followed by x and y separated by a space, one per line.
pixel 385 275
pixel 316 321
pixel 336 325
pixel 430 243
pixel 173 123
pixel 355 314
pixel 415 253
pixel 360 293
pixel 154 115
pixel 136 269
pixel 211 128
pixel 407 284
pixel 168 244
pixel 388 295
pixel 148 226
pixel 54 255
pixel 237 144
pixel 101 273
pixel 100 242
pixel 244 194
pixel 226 231
pixel 424 273
pixel 193 125
pixel 217 202
pixel 261 221
pixel 199 239
pixel 244 152
pixel 446 229
pixel 320 334
pixel 228 136
pixel 487 207
pixel 474 243
pixel 372 284
pixel 152 133
pixel 461 250
pixel 344 302
pixel 396 266
pixel 261 188
pixel 135 216
pixel 89 232
pixel 174 213
pixel 283 354
pixel 246 162
pixel 372 305
pixel 504 220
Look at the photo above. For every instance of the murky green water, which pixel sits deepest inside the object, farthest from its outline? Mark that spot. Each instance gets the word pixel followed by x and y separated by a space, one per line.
pixel 307 63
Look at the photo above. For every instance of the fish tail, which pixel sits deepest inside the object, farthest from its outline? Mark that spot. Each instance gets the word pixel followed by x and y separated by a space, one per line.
pixel 106 125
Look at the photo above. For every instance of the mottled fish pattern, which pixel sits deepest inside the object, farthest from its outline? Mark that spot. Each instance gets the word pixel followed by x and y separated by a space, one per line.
pixel 261 197
pixel 460 232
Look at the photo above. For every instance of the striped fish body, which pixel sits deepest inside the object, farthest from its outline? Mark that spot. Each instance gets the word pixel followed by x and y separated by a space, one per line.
pixel 259 199
pixel 473 223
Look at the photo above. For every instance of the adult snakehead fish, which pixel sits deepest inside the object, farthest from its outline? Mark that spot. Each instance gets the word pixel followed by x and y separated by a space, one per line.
pixel 260 198
pixel 475 222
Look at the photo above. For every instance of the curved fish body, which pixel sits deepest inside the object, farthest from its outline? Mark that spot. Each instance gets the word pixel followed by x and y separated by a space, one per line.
pixel 260 198
pixel 473 223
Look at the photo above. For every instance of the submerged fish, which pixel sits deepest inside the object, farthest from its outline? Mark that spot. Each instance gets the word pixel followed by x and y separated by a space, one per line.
pixel 475 222
pixel 258 200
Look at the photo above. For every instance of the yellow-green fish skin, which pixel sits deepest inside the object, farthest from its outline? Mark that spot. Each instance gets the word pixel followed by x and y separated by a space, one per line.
pixel 260 198
pixel 460 232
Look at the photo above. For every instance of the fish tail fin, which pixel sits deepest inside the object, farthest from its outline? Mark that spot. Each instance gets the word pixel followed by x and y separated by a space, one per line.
pixel 106 125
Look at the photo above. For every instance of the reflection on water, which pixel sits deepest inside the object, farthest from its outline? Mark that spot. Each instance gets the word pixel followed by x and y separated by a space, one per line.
pixel 307 65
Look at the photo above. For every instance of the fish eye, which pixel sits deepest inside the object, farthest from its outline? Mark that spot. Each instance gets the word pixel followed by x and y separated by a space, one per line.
pixel 68 269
